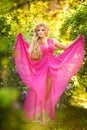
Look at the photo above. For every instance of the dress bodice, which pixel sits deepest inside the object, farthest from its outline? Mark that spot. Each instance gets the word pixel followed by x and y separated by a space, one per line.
pixel 48 50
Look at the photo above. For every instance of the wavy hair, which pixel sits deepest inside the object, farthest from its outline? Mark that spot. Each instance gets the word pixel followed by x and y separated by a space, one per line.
pixel 35 51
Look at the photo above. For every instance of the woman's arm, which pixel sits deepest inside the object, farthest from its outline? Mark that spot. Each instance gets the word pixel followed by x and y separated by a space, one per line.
pixel 59 45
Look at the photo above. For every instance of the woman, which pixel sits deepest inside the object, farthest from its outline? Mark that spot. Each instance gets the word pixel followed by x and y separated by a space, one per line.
pixel 46 75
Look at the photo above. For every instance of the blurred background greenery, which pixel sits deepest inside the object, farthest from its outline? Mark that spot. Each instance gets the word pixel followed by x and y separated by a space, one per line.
pixel 66 20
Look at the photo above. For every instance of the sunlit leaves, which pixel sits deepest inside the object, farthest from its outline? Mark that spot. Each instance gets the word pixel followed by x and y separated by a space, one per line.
pixel 75 21
pixel 4 27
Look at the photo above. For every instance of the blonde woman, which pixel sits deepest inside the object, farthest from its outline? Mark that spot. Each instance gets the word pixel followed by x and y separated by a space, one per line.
pixel 44 74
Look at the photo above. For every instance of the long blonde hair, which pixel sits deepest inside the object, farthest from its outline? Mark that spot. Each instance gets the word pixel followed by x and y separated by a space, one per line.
pixel 35 52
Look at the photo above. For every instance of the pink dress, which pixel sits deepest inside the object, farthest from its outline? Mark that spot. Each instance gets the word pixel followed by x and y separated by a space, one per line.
pixel 34 73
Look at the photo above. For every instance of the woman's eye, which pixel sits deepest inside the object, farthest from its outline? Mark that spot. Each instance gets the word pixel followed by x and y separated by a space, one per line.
pixel 41 30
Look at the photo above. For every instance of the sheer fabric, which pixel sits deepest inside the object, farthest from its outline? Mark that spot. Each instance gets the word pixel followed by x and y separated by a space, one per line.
pixel 34 73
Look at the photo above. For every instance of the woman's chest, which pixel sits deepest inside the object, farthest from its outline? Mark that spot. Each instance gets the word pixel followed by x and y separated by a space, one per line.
pixel 48 48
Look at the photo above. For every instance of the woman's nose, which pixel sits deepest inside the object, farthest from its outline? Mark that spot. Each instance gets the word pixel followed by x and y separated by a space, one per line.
pixel 40 31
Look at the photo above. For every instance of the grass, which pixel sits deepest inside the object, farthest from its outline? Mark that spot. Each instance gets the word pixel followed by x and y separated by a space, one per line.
pixel 67 118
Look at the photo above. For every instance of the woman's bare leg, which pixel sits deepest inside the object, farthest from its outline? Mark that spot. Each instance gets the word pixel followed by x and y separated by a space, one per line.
pixel 48 89
pixel 42 117
pixel 48 86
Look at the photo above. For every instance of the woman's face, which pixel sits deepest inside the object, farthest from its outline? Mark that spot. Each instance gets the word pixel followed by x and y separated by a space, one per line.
pixel 41 32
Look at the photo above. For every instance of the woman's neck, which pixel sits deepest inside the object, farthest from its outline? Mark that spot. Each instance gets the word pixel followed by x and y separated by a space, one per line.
pixel 43 40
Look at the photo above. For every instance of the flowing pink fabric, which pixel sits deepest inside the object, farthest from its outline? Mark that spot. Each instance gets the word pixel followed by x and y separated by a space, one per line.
pixel 34 73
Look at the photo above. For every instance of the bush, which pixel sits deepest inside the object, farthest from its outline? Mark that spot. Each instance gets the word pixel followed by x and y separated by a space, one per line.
pixel 11 116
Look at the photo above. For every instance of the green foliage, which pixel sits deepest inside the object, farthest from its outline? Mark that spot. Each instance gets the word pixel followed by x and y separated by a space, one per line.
pixel 11 116
pixel 7 97
pixel 83 82
pixel 77 94
pixel 9 75
pixel 4 27
pixel 75 23
pixel 7 5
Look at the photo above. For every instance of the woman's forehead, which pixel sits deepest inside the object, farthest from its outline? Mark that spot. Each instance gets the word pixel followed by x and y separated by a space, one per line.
pixel 41 27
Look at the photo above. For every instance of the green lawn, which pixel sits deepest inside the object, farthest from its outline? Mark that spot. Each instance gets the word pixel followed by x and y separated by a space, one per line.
pixel 67 118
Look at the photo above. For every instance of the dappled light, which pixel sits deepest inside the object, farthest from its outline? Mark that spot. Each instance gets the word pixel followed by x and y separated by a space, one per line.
pixel 66 20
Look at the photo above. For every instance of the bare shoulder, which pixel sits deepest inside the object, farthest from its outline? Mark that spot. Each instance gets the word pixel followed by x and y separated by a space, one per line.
pixel 55 41
pixel 58 44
